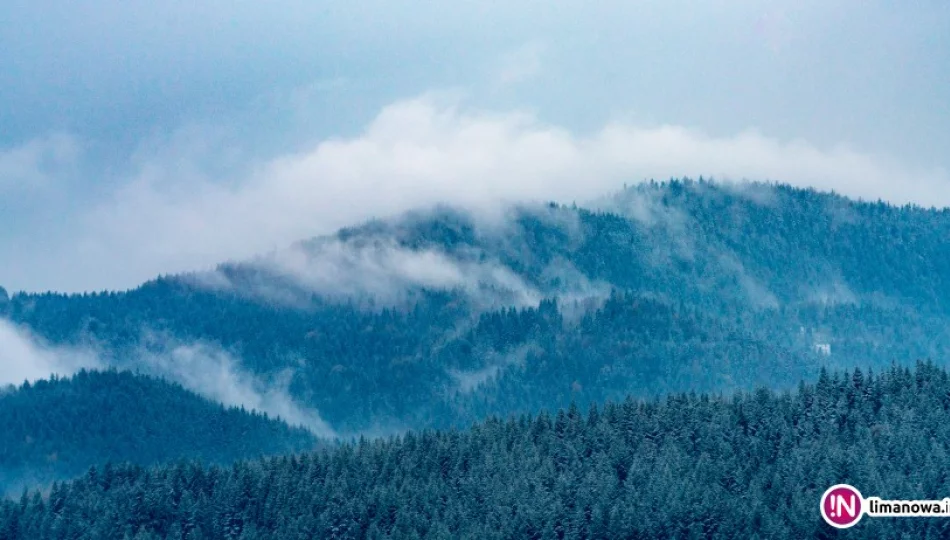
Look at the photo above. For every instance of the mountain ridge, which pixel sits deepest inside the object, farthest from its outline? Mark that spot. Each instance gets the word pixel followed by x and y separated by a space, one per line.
pixel 55 429
pixel 390 322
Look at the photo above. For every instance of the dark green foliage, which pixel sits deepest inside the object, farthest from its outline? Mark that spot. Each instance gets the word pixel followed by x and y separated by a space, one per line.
pixel 683 467
pixel 682 286
pixel 57 429
pixel 628 345
pixel 667 287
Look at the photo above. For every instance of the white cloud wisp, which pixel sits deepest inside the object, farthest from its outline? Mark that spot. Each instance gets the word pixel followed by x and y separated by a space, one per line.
pixel 429 150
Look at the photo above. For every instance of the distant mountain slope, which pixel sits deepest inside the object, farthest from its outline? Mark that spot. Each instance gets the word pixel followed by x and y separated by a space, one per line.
pixel 59 428
pixel 440 317
pixel 687 466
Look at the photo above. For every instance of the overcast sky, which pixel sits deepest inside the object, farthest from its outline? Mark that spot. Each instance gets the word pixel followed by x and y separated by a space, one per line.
pixel 139 138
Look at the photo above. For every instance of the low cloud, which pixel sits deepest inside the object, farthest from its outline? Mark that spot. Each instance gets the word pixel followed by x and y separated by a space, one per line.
pixel 374 268
pixel 24 357
pixel 173 217
pixel 383 264
pixel 201 368
pixel 382 269
pixel 756 292
pixel 468 381
pixel 207 370
pixel 667 227
pixel 760 193
pixel 835 292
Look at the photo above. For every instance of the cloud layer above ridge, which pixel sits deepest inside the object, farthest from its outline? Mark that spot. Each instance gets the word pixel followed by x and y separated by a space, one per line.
pixel 142 139
pixel 174 215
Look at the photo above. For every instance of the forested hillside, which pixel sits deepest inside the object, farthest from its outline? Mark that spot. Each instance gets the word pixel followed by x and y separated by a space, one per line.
pixel 438 318
pixel 686 466
pixel 59 428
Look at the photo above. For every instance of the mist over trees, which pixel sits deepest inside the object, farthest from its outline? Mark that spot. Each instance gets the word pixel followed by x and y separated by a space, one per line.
pixel 439 318
pixel 628 369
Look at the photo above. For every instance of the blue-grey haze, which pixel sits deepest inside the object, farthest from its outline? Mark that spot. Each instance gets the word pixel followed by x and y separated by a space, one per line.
pixel 103 95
